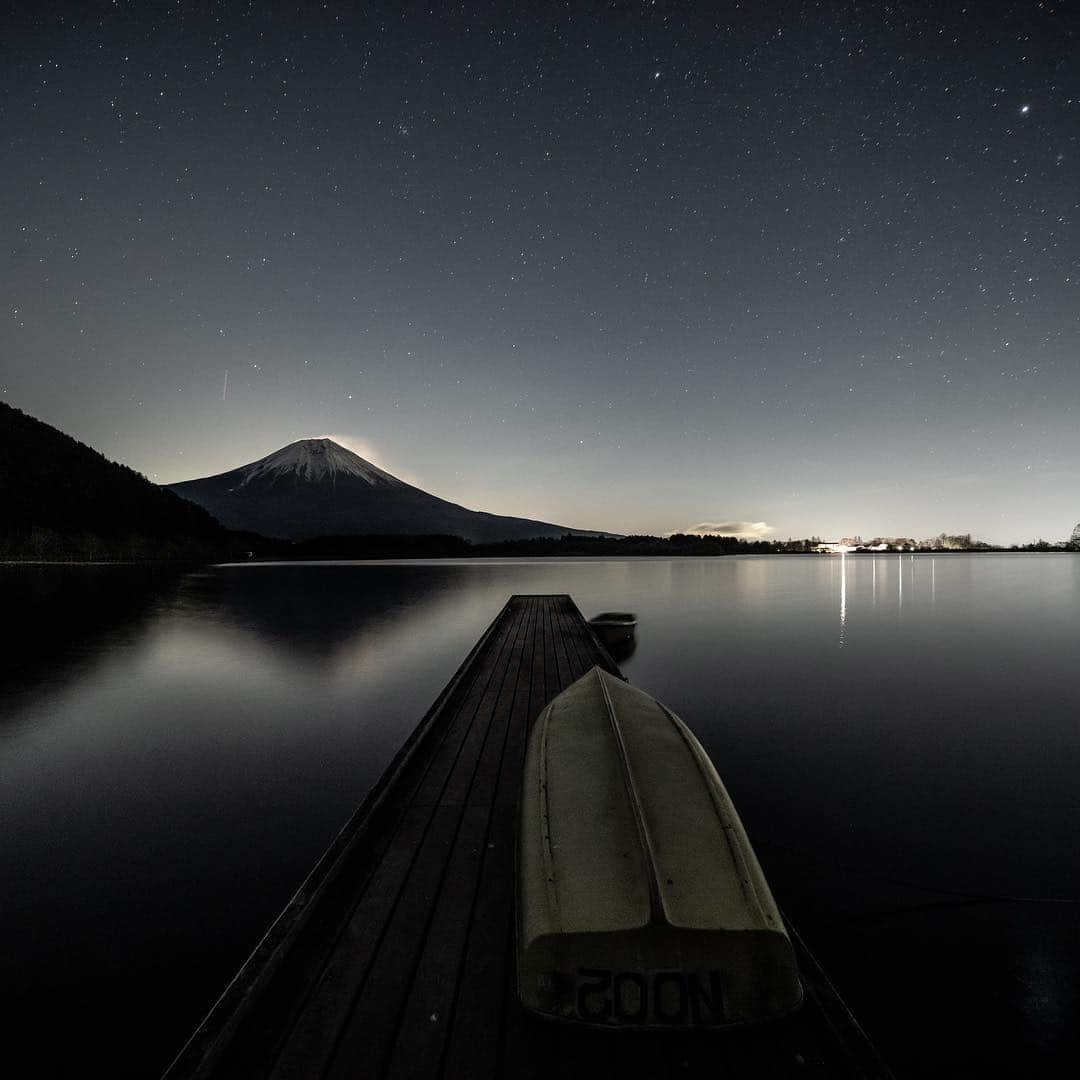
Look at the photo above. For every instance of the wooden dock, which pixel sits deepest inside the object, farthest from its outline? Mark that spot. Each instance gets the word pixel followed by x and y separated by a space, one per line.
pixel 395 958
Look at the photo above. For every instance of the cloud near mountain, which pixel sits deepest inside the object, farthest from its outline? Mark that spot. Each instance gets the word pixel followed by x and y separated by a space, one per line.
pixel 744 530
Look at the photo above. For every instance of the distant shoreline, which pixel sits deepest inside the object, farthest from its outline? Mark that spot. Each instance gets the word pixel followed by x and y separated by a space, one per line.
pixel 281 559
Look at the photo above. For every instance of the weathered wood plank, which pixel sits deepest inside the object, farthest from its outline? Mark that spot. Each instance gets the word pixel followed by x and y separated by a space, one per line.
pixel 569 648
pixel 529 1048
pixel 423 1024
pixel 372 1024
pixel 426 1018
pixel 474 1045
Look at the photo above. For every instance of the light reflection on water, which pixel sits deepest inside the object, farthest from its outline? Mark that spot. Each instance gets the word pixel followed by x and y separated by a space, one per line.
pixel 843 596
pixel 173 766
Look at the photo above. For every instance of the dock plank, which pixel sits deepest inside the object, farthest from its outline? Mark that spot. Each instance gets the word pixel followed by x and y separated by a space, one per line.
pixel 474 1044
pixel 372 1024
pixel 433 992
pixel 396 957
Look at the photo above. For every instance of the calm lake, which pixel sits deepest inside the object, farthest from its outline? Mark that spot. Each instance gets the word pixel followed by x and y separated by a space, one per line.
pixel 901 736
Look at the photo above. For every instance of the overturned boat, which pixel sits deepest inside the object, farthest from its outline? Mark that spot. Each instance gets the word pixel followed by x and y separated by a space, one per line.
pixel 640 901
pixel 614 626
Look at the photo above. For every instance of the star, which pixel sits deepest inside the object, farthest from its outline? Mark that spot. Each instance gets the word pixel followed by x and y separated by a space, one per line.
pixel 1024 110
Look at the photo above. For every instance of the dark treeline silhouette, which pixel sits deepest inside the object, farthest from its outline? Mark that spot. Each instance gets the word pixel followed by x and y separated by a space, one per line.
pixel 428 547
pixel 678 544
pixel 61 500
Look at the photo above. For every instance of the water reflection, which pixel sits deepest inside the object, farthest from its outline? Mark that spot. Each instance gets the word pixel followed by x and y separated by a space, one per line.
pixel 174 762
pixel 59 619
pixel 323 618
pixel 318 610
pixel 843 596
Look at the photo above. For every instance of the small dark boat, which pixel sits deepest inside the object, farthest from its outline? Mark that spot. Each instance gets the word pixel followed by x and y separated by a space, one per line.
pixel 614 626
pixel 640 901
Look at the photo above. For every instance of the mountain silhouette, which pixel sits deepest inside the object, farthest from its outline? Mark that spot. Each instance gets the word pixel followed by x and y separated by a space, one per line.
pixel 316 487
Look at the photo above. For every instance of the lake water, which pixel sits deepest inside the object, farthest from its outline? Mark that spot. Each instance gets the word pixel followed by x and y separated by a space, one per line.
pixel 900 734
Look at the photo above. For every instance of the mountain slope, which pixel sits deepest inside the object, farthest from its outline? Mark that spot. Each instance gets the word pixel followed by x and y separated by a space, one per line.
pixel 59 499
pixel 315 487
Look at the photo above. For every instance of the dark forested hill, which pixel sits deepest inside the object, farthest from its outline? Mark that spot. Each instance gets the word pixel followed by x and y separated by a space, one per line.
pixel 61 500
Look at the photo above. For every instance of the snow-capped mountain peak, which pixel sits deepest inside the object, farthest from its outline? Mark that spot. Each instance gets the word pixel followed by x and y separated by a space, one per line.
pixel 316 487
pixel 316 460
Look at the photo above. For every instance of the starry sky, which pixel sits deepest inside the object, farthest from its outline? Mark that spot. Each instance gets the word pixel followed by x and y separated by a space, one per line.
pixel 783 269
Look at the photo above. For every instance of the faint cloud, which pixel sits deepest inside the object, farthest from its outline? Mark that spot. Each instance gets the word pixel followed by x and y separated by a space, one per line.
pixel 370 454
pixel 744 530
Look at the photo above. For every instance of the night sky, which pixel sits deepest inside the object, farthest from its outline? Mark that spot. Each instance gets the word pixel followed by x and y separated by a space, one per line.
pixel 809 268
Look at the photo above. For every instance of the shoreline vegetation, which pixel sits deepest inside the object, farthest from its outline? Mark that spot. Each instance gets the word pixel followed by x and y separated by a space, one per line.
pixel 47 547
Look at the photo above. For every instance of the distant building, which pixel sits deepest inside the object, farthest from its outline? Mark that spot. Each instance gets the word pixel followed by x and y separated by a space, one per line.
pixel 890 543
pixel 834 547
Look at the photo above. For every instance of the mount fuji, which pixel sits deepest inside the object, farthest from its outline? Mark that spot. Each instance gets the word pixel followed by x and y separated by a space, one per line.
pixel 316 487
